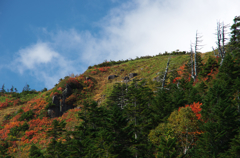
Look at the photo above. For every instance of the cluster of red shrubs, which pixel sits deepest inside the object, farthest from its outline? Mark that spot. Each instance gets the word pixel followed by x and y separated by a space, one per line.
pixel 9 102
pixel 176 79
pixel 94 72
pixel 59 89
pixel 71 99
pixel 89 83
pixel 73 81
pixel 196 108
pixel 103 69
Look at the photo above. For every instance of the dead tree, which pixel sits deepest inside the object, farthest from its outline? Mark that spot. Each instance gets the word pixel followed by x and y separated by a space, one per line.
pixel 191 61
pixel 166 71
pixel 214 52
pixel 195 55
pixel 221 40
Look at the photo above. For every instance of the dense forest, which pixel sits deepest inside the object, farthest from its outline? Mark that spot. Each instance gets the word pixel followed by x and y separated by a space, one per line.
pixel 192 111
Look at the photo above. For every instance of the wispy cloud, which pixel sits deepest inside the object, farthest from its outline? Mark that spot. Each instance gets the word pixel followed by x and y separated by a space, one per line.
pixel 147 27
pixel 43 62
pixel 35 55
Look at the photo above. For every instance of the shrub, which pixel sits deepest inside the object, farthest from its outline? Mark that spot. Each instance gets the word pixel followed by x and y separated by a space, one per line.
pixel 26 116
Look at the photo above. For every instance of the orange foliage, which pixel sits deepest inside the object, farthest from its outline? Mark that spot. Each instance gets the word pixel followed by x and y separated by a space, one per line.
pixel 89 83
pixel 94 72
pixel 175 80
pixel 196 108
pixel 35 104
pixel 72 98
pixel 181 70
pixel 74 81
pixel 59 89
pixel 9 102
pixel 4 132
pixel 103 69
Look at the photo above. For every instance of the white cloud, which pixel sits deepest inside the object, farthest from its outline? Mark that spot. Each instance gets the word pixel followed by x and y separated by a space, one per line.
pixel 34 55
pixel 43 62
pixel 148 27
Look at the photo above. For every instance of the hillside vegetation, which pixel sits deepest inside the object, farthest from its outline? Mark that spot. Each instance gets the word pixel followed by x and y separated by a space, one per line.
pixel 188 117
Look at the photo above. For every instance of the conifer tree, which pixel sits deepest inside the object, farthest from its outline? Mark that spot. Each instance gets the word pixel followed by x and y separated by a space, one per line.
pixel 55 148
pixel 35 152
pixel 3 89
pixel 3 150
pixel 117 136
pixel 85 140
pixel 138 112
pixel 235 39
pixel 118 95
pixel 220 117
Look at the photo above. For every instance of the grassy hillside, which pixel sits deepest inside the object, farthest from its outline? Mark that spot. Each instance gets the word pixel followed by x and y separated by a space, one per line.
pixel 30 109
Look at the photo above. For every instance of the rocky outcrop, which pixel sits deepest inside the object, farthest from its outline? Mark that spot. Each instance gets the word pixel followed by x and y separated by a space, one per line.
pixel 126 79
pixel 131 75
pixel 58 107
pixel 112 77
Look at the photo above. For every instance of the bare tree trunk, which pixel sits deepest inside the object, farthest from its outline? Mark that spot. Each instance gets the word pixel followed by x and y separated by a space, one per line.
pixel 195 58
pixel 221 38
pixel 165 75
pixel 214 52
pixel 191 62
pixel 195 55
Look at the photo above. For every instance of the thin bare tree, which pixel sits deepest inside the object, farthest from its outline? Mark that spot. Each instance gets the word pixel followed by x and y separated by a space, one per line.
pixel 166 71
pixel 221 30
pixel 197 41
pixel 191 55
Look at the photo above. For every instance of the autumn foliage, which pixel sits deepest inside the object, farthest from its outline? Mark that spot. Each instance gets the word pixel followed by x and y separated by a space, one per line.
pixel 103 69
pixel 196 108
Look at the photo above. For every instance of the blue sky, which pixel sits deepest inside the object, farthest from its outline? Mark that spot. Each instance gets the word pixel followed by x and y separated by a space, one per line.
pixel 43 41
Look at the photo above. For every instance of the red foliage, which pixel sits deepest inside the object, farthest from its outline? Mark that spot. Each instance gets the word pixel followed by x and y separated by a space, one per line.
pixel 196 108
pixel 8 102
pixel 94 72
pixel 56 93
pixel 36 105
pixel 89 83
pixel 181 70
pixel 103 69
pixel 30 133
pixel 175 80
pixel 59 89
pixel 71 99
pixel 73 81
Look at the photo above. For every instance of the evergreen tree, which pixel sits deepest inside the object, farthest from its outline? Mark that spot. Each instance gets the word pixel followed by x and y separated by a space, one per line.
pixel 11 90
pixel 235 39
pixel 26 88
pixel 3 89
pixel 234 150
pixel 35 152
pixel 85 137
pixel 118 95
pixel 117 136
pixel 3 150
pixel 220 117
pixel 56 148
pixel 138 112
